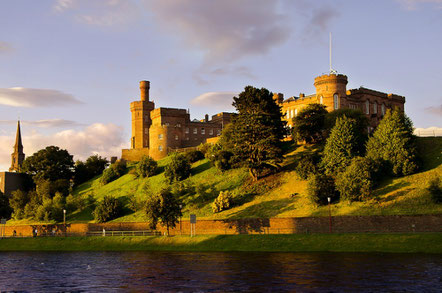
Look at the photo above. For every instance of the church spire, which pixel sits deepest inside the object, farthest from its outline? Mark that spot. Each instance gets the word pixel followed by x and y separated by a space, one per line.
pixel 17 156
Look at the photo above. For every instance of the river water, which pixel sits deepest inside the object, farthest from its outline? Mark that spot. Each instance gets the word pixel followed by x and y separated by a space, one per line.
pixel 217 271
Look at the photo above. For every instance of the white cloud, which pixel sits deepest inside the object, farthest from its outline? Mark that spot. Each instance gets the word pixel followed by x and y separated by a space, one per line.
pixel 217 100
pixel 413 4
pixel 225 30
pixel 430 131
pixel 5 47
pixel 103 139
pixel 436 110
pixel 104 13
pixel 46 123
pixel 29 97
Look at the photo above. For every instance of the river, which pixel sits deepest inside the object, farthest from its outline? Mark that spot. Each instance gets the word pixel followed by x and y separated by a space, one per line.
pixel 217 271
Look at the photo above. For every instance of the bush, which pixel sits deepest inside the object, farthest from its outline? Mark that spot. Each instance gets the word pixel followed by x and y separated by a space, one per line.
pixel 435 189
pixel 223 160
pixel 307 165
pixel 108 176
pixel 355 183
pixel 108 209
pixel 308 125
pixel 147 167
pixel 223 202
pixel 17 202
pixel 321 186
pixel 194 156
pixel 5 209
pixel 178 169
pixel 204 148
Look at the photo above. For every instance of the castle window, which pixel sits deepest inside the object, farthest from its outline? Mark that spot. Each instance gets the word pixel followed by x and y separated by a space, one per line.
pixel 176 137
pixel 160 136
pixel 167 123
pixel 293 113
pixel 178 125
pixel 367 107
pixel 160 148
pixel 211 131
pixel 203 131
pixel 218 132
pixel 296 112
pixel 146 130
pixel 336 101
pixel 375 108
pixel 187 138
pixel 321 100
pixel 195 131
pixel 383 109
pixel 186 130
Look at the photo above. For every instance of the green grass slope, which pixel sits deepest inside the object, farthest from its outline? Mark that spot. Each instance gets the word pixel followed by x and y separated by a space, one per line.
pixel 280 195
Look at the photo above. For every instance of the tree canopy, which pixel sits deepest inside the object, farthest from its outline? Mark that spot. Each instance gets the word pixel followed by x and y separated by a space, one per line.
pixel 163 207
pixel 257 130
pixel 308 125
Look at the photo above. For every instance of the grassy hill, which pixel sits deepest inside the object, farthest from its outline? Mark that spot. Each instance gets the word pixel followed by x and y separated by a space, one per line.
pixel 280 195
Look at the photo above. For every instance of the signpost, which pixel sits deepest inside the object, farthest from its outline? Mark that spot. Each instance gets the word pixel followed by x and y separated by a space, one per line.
pixel 192 225
pixel 3 222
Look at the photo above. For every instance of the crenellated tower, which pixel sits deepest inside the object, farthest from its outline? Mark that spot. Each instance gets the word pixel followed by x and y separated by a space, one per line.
pixel 17 156
pixel 331 90
pixel 141 120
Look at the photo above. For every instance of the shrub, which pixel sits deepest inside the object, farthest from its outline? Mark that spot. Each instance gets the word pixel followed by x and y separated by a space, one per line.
pixel 108 209
pixel 223 160
pixel 178 169
pixel 308 125
pixel 119 167
pixel 194 156
pixel 435 189
pixel 5 209
pixel 307 165
pixel 147 167
pixel 108 176
pixel 223 202
pixel 321 186
pixel 17 202
pixel 204 148
pixel 355 183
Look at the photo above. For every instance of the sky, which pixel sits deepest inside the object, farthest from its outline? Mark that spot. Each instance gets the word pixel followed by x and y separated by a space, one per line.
pixel 70 68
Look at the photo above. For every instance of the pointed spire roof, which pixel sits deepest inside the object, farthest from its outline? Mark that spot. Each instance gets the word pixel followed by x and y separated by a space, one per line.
pixel 18 144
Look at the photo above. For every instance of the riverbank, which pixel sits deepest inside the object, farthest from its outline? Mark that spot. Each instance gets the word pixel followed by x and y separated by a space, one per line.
pixel 397 243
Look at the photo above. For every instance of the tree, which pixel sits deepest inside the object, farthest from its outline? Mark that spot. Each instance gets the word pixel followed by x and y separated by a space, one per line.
pixel 308 125
pixel 95 165
pixel 341 146
pixel 320 187
pixel 17 202
pixel 51 163
pixel 257 131
pixel 394 144
pixel 146 167
pixel 108 209
pixel 5 209
pixel 356 183
pixel 163 207
pixel 178 169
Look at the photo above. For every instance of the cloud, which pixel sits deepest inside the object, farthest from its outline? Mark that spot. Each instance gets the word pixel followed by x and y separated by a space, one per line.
pixel 430 131
pixel 28 97
pixel 413 4
pixel 203 75
pixel 103 139
pixel 225 30
pixel 218 100
pixel 436 110
pixel 5 47
pixel 104 13
pixel 46 123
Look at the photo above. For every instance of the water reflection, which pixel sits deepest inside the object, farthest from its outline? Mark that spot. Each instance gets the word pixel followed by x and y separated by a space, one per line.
pixel 170 271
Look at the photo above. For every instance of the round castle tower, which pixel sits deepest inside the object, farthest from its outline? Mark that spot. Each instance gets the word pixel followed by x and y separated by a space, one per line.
pixel 331 90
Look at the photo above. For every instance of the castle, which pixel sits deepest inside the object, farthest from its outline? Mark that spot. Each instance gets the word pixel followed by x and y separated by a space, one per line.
pixel 157 131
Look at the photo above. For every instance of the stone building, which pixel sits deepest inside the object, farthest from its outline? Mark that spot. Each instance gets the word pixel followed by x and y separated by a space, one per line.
pixel 17 157
pixel 157 131
pixel 331 90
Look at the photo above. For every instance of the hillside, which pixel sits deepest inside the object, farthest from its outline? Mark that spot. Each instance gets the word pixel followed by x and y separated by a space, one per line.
pixel 280 195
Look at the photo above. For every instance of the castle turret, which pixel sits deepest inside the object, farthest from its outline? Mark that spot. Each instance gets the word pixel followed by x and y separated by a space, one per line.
pixel 17 156
pixel 144 89
pixel 141 120
pixel 331 90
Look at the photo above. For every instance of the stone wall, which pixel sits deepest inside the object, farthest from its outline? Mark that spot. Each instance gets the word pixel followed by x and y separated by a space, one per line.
pixel 134 155
pixel 342 224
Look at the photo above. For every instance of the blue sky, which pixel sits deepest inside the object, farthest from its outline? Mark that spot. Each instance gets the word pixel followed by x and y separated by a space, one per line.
pixel 70 68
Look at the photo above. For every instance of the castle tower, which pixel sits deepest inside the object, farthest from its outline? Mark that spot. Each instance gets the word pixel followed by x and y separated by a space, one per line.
pixel 141 121
pixel 17 156
pixel 331 90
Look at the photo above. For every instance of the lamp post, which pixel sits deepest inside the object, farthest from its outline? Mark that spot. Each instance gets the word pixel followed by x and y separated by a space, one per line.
pixel 329 215
pixel 64 221
pixel 181 214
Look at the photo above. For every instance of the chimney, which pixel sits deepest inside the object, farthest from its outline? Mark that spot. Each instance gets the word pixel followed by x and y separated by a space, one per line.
pixel 144 89
pixel 206 118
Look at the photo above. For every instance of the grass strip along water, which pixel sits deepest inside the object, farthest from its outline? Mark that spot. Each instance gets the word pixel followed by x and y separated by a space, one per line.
pixel 398 243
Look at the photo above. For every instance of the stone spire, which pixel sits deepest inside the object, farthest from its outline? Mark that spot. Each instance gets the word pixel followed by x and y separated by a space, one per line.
pixel 17 156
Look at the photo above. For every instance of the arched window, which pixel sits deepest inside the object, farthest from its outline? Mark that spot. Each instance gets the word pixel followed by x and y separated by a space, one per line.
pixel 321 100
pixel 375 107
pixel 383 109
pixel 336 101
pixel 160 148
pixel 296 112
pixel 367 107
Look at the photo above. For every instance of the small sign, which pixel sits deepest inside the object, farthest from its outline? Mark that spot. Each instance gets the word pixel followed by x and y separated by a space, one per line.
pixel 192 219
pixel 3 221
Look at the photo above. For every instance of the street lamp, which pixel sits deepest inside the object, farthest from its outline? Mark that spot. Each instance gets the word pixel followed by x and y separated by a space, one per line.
pixel 181 214
pixel 64 221
pixel 329 214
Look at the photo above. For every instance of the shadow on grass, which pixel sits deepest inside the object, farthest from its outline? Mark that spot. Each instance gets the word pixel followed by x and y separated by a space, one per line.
pixel 201 168
pixel 266 209
pixel 389 187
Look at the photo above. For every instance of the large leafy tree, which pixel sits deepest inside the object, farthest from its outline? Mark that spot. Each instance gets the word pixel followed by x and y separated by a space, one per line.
pixel 341 146
pixel 308 125
pixel 178 169
pixel 51 163
pixel 5 209
pixel 163 207
pixel 394 144
pixel 257 130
